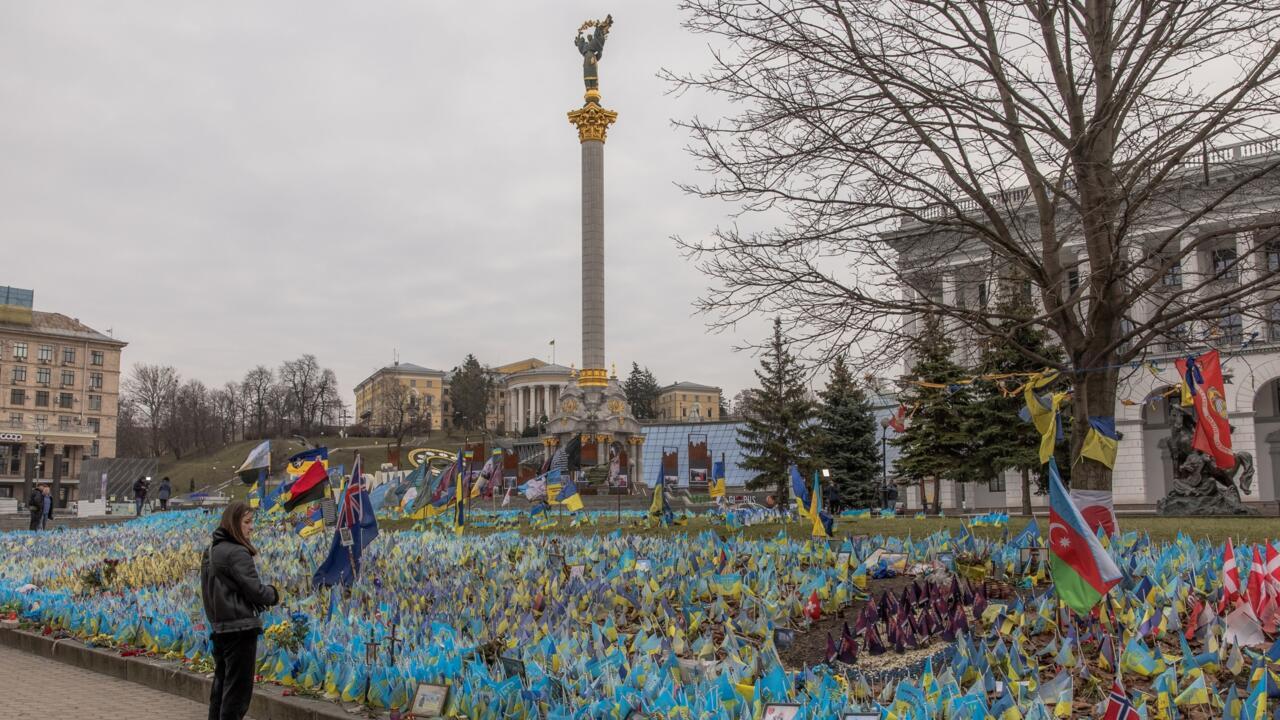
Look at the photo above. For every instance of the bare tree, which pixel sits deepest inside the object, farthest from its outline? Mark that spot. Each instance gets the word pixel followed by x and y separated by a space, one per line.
pixel 256 391
pixel 304 382
pixel 1080 152
pixel 150 390
pixel 397 409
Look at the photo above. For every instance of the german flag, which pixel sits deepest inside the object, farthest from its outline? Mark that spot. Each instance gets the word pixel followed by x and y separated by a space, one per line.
pixel 310 486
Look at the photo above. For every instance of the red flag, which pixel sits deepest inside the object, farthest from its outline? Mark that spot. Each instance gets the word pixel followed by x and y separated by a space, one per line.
pixel 1230 575
pixel 899 419
pixel 1256 597
pixel 1203 378
pixel 1118 705
pixel 813 608
pixel 1273 569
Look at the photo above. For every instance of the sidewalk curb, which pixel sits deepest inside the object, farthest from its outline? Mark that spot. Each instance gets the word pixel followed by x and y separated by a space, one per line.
pixel 268 701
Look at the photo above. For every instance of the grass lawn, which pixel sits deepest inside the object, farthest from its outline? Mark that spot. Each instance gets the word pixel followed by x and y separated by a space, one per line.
pixel 1159 528
pixel 213 469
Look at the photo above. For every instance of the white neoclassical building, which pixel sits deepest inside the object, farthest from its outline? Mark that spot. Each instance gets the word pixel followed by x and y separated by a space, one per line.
pixel 528 390
pixel 962 275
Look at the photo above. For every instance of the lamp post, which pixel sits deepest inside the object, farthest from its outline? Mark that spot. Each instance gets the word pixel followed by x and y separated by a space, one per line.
pixel 884 462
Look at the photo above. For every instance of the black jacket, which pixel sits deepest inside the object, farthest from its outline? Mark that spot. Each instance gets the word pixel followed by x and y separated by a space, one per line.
pixel 140 488
pixel 35 503
pixel 233 595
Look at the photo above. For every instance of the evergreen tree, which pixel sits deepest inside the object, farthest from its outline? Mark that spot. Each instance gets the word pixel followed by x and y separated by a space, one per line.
pixel 847 443
pixel 641 389
pixel 1004 440
pixel 938 443
pixel 470 390
pixel 779 424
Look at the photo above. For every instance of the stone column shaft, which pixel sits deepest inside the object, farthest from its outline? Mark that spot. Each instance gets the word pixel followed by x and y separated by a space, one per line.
pixel 593 254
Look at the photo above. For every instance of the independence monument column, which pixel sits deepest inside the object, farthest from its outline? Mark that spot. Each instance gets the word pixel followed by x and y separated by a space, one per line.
pixel 592 122
pixel 594 414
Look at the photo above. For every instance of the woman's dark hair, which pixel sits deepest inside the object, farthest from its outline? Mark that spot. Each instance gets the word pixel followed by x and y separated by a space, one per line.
pixel 230 523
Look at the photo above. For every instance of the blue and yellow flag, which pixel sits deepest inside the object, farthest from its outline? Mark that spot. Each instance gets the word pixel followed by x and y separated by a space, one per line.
pixel 1101 442
pixel 717 489
pixel 568 495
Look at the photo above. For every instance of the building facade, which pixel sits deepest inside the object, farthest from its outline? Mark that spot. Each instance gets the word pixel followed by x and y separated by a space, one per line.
pixel 689 402
pixel 527 393
pixel 1212 260
pixel 59 396
pixel 401 393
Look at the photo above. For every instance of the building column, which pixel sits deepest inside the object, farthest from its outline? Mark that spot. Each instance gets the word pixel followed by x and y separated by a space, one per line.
pixel 1195 270
pixel 1251 259
pixel 58 451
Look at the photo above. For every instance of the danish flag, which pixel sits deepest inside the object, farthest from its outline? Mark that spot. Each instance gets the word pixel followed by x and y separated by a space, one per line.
pixel 1230 575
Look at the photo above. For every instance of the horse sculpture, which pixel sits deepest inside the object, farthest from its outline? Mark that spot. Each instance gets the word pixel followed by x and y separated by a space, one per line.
pixel 1200 487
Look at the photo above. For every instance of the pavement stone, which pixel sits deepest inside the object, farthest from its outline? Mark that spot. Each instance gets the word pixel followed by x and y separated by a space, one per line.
pixel 37 688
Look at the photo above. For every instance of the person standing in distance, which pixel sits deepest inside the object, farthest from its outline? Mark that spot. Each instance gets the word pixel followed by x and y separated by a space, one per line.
pixel 233 597
pixel 139 494
pixel 166 491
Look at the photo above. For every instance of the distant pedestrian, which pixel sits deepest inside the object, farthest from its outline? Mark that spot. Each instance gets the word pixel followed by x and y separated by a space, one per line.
pixel 165 493
pixel 35 504
pixel 233 596
pixel 46 506
pixel 139 494
pixel 191 485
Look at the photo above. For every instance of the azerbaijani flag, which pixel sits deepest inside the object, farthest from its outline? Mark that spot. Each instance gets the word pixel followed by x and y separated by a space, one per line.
pixel 1082 571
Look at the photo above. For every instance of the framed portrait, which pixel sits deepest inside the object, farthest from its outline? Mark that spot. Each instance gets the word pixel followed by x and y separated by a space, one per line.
pixel 643 565
pixel 577 571
pixel 512 667
pixel 555 561
pixel 783 638
pixel 860 716
pixel 947 560
pixel 430 701
pixel 1029 555
pixel 780 711
pixel 347 540
pixel 843 558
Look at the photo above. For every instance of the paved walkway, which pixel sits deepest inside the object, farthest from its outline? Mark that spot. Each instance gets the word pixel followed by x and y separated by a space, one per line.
pixel 37 688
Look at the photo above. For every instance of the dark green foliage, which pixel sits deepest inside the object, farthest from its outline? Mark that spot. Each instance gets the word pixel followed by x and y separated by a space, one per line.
pixel 779 424
pixel 641 389
pixel 469 391
pixel 938 443
pixel 847 443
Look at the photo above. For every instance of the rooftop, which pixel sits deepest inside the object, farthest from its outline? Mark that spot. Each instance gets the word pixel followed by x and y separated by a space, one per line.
pixel 59 325
pixel 691 387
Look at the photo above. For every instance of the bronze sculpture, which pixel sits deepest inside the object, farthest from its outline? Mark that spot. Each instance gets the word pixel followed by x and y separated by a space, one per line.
pixel 1200 487
pixel 592 47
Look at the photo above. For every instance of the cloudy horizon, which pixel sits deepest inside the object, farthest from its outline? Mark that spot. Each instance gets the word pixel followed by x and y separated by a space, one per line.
pixel 227 185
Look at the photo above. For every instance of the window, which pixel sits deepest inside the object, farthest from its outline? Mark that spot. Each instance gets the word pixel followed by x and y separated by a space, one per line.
pixel 43 375
pixel 42 421
pixel 684 397
pixel 1231 327
pixel 1073 281
pixel 95 402
pixel 1172 276
pixel 95 425
pixel 68 355
pixel 1272 251
pixel 1224 264
pixel 17 396
pixel 15 420
pixel 1275 321
pixel 996 484
pixel 93 449
pixel 68 378
pixel 64 400
pixel 983 295
pixel 95 380
pixel 46 353
pixel 19 373
pixel 42 398
pixel 413 383
pixel 96 357
pixel 684 412
pixel 64 422
pixel 19 351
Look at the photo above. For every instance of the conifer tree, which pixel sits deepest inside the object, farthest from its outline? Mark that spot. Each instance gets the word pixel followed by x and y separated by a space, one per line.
pixel 847 443
pixel 938 443
pixel 1004 440
pixel 779 424
pixel 642 390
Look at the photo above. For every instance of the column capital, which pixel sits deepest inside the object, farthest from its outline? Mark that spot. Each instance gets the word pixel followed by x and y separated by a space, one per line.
pixel 592 120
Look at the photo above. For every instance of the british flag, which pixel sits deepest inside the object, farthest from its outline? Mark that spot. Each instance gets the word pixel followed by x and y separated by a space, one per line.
pixel 1118 705
pixel 351 512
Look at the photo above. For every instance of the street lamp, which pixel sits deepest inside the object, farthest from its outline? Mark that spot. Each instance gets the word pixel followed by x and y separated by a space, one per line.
pixel 884 461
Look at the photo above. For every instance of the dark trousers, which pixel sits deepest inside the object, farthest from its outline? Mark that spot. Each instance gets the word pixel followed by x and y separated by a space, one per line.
pixel 234 657
pixel 36 517
pixel 164 503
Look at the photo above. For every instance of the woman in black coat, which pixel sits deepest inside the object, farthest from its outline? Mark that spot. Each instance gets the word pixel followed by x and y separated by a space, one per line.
pixel 233 596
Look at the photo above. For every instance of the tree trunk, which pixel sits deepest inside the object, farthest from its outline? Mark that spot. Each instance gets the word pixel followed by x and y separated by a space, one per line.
pixel 937 495
pixel 1026 492
pixel 1095 395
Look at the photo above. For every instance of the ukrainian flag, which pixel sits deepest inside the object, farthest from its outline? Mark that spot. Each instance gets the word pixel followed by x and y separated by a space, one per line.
pixel 717 488
pixel 568 496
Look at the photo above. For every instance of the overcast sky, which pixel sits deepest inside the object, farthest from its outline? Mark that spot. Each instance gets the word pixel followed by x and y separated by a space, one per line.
pixel 225 184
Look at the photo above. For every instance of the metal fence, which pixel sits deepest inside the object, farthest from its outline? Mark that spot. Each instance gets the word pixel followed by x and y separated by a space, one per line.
pixel 120 474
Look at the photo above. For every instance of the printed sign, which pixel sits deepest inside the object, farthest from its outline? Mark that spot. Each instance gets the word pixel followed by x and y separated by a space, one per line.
pixel 429 700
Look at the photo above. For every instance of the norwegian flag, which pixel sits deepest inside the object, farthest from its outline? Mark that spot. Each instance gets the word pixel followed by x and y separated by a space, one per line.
pixel 1118 705
pixel 1230 575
